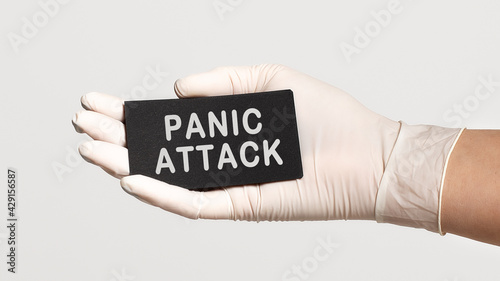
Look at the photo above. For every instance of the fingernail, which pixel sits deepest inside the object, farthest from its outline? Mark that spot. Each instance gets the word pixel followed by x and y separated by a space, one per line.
pixel 125 186
pixel 178 88
pixel 85 150
pixel 74 122
pixel 84 101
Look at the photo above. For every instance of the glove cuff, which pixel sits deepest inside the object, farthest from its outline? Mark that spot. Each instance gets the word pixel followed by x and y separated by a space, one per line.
pixel 410 189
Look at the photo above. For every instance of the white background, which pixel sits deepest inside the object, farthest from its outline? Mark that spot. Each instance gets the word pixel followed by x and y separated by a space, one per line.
pixel 80 225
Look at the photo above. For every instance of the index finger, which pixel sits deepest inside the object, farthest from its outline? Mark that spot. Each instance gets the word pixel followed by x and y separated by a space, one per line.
pixel 105 104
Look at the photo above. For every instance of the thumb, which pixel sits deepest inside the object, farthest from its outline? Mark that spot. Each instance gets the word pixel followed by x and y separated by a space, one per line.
pixel 213 204
pixel 227 80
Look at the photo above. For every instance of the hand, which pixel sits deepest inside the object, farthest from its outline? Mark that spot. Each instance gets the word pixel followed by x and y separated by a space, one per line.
pixel 345 148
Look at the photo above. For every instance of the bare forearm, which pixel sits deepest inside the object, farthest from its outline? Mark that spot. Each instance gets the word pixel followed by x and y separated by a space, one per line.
pixel 471 194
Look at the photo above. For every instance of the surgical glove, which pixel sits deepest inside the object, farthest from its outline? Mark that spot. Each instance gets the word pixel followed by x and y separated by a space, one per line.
pixel 357 164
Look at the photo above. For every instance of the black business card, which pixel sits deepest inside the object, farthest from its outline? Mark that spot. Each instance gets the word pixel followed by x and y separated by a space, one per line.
pixel 210 142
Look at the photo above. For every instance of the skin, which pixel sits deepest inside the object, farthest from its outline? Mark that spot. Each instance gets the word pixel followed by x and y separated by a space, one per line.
pixel 471 194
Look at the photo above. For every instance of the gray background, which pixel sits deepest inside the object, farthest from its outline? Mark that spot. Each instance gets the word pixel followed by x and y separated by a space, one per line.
pixel 82 226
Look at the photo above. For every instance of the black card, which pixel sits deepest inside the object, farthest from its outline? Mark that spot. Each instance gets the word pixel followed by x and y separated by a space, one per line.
pixel 210 142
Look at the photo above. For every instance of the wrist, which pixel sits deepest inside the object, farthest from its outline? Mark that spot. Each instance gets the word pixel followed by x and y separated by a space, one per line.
pixel 409 191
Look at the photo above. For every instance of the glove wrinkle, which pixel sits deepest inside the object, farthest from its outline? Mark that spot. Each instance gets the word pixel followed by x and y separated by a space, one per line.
pixel 409 190
pixel 231 211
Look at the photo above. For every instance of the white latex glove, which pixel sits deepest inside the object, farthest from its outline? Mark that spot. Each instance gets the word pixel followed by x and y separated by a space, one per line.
pixel 345 148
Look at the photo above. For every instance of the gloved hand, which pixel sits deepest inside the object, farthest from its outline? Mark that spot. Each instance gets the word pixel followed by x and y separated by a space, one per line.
pixel 357 164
